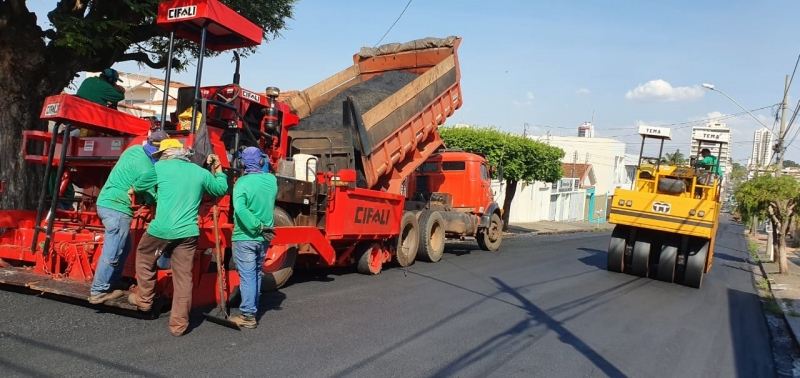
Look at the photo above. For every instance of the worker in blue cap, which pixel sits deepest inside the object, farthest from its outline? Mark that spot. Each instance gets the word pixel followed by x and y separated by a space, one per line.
pixel 254 197
pixel 114 210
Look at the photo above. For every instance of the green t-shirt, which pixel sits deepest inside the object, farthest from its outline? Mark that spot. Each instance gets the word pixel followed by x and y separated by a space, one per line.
pixel 710 162
pixel 180 185
pixel 99 91
pixel 253 205
pixel 133 163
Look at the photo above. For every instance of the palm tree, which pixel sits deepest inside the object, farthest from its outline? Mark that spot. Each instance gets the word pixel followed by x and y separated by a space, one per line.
pixel 676 158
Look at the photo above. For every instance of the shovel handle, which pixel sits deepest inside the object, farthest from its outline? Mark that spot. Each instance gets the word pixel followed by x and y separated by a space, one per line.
pixel 220 269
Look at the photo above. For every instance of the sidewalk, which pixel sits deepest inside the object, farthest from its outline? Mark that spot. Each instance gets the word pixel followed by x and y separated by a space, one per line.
pixel 555 228
pixel 781 292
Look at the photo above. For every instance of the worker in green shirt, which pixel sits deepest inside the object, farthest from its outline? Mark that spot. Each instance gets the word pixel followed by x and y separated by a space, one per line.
pixel 253 205
pixel 103 89
pixel 114 210
pixel 711 163
pixel 174 231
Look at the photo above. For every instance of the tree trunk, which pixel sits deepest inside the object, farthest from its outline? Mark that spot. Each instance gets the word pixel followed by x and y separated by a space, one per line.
pixel 511 190
pixel 753 225
pixel 779 228
pixel 28 73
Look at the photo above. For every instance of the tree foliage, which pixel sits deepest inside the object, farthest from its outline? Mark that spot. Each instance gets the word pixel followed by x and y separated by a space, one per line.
pixel 100 33
pixel 738 172
pixel 522 159
pixel 775 198
pixel 676 158
pixel 790 164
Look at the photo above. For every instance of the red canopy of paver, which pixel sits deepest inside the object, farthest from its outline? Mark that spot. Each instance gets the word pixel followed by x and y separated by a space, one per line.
pixel 227 29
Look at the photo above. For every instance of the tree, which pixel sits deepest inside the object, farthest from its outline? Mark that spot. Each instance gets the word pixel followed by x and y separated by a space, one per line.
pixel 738 172
pixel 521 158
pixel 790 164
pixel 777 198
pixel 675 158
pixel 84 36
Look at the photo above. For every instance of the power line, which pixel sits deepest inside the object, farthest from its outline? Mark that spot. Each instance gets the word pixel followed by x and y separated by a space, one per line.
pixel 393 24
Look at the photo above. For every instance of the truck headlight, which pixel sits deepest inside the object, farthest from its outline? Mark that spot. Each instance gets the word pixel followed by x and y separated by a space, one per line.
pixel 629 203
pixel 701 213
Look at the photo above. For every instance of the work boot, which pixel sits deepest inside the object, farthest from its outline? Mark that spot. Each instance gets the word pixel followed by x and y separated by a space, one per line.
pixel 132 300
pixel 102 297
pixel 244 321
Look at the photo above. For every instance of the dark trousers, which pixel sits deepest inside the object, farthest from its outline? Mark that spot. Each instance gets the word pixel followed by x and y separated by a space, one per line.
pixel 182 259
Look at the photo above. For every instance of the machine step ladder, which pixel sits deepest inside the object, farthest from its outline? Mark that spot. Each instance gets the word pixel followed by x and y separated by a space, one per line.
pixel 51 214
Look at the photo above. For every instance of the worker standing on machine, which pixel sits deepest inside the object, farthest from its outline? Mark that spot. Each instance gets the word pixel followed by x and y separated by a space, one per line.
pixel 254 197
pixel 114 210
pixel 174 229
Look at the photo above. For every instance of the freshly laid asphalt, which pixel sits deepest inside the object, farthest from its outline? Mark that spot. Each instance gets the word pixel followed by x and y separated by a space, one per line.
pixel 543 306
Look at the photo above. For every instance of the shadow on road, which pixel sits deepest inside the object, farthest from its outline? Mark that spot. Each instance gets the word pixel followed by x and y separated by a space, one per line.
pixel 514 340
pixel 597 258
pixel 75 356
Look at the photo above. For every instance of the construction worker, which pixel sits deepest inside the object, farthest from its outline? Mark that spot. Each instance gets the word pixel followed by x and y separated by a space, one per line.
pixel 253 204
pixel 174 229
pixel 114 210
pixel 710 163
pixel 103 89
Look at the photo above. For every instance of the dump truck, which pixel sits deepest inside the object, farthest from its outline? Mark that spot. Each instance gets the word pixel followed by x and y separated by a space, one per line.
pixel 343 187
pixel 666 226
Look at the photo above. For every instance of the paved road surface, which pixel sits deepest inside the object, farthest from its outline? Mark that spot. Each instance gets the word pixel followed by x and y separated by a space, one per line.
pixel 543 307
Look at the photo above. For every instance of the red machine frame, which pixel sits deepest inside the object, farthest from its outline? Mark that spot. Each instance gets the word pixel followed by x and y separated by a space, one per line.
pixel 56 251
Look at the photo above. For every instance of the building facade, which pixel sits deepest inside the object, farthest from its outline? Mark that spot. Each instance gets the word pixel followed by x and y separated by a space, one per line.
pixel 762 148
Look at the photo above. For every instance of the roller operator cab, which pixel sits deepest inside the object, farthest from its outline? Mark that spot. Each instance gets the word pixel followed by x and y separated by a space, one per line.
pixel 451 195
pixel 666 225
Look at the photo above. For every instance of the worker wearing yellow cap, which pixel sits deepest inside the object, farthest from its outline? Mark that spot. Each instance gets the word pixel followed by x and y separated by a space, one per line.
pixel 180 186
pixel 114 210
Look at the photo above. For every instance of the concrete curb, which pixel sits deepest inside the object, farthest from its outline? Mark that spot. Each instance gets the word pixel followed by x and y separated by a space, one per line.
pixel 558 232
pixel 794 329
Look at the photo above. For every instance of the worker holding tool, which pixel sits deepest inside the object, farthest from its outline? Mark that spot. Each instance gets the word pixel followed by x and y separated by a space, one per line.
pixel 253 204
pixel 114 210
pixel 174 229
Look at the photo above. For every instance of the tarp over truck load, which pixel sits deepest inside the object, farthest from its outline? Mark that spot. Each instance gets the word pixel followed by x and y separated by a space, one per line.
pixel 400 94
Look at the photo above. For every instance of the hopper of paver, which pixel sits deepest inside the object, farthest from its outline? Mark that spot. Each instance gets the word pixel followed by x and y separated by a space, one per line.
pixel 380 116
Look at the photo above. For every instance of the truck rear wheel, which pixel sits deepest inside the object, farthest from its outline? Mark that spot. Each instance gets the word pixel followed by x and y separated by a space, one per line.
pixel 431 236
pixel 279 265
pixel 370 258
pixel 408 240
pixel 489 238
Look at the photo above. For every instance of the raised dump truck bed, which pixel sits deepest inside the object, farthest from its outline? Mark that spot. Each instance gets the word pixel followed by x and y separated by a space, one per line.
pixel 384 110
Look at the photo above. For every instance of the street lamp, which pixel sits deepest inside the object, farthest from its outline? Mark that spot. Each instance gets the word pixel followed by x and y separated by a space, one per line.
pixel 711 88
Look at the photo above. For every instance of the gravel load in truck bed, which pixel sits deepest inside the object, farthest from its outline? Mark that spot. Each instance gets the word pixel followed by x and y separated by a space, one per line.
pixel 367 95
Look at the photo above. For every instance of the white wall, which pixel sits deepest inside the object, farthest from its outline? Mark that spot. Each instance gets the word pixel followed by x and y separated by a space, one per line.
pixel 606 155
pixel 531 202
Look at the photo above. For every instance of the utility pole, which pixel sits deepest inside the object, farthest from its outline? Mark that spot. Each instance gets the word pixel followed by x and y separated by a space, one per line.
pixel 574 162
pixel 779 146
pixel 525 130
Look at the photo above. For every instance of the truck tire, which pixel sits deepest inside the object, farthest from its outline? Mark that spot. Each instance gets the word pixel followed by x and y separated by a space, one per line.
pixel 431 236
pixel 408 240
pixel 489 238
pixel 370 257
pixel 276 273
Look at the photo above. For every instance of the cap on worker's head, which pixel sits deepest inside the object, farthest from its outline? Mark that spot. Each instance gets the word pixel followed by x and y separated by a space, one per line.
pixel 156 137
pixel 251 156
pixel 167 144
pixel 112 74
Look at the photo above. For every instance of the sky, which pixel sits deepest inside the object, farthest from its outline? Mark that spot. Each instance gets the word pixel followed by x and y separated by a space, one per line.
pixel 557 64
